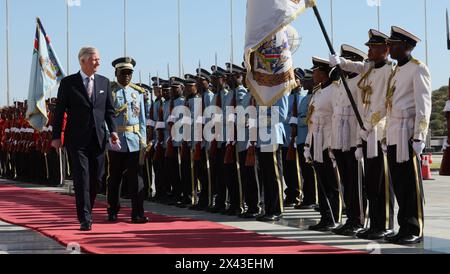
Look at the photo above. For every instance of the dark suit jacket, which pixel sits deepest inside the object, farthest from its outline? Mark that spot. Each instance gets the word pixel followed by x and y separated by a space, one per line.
pixel 84 117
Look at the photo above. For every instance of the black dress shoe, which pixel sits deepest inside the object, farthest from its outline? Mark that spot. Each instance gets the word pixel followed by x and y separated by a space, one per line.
pixel 198 207
pixel 269 218
pixel 393 238
pixel 379 235
pixel 180 204
pixel 340 229
pixel 409 240
pixel 306 206
pixel 351 230
pixel 139 220
pixel 217 209
pixel 86 226
pixel 288 203
pixel 364 234
pixel 112 217
pixel 250 214
pixel 323 226
pixel 233 211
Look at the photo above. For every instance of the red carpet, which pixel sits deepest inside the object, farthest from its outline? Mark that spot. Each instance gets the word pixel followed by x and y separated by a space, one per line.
pixel 54 215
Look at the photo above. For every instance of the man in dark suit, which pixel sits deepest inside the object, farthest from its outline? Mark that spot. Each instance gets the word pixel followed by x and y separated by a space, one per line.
pixel 87 100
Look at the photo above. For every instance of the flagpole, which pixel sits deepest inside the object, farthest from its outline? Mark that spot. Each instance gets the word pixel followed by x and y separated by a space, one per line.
pixel 332 23
pixel 7 54
pixel 215 61
pixel 448 29
pixel 179 40
pixel 68 38
pixel 232 36
pixel 426 33
pixel 378 15
pixel 125 27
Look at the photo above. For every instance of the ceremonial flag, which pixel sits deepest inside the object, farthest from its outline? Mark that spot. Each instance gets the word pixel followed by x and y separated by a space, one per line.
pixel 46 73
pixel 268 55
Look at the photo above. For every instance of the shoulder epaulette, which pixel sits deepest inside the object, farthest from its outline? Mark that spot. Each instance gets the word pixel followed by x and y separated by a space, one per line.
pixel 415 61
pixel 137 88
pixel 114 86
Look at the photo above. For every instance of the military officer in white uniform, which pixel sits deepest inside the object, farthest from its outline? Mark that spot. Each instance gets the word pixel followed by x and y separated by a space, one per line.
pixel 371 94
pixel 407 111
pixel 344 142
pixel 318 146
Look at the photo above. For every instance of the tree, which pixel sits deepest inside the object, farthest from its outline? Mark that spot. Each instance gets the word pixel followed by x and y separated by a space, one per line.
pixel 438 122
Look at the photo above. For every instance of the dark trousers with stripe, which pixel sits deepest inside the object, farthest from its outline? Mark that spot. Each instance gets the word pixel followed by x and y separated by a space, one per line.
pixel 201 174
pixel 379 191
pixel 233 184
pixel 172 184
pixel 407 189
pixel 125 164
pixel 147 176
pixel 220 184
pixel 188 184
pixel 56 167
pixel 161 188
pixel 249 184
pixel 292 178
pixel 328 188
pixel 348 169
pixel 310 187
pixel 271 171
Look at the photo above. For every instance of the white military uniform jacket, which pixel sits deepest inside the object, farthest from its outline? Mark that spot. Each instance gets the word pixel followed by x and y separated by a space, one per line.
pixel 408 103
pixel 320 121
pixel 344 134
pixel 370 99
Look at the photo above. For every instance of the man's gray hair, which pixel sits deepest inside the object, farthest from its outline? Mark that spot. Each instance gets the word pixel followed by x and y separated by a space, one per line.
pixel 86 53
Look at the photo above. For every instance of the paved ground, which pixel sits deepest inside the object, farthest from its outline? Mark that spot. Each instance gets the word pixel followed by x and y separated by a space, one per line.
pixel 437 223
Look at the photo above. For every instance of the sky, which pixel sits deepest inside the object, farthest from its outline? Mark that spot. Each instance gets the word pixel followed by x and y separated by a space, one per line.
pixel 152 37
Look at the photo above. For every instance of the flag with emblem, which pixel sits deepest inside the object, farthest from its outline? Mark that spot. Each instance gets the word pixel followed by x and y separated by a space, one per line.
pixel 268 47
pixel 46 73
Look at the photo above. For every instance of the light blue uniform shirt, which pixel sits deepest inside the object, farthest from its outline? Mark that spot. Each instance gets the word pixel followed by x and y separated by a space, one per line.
pixel 130 111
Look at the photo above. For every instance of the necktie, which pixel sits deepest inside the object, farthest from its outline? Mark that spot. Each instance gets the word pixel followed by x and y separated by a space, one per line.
pixel 90 87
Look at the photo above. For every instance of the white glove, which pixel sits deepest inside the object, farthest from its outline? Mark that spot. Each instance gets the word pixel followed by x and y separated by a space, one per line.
pixel 359 154
pixel 333 159
pixel 116 146
pixel 445 146
pixel 384 148
pixel 418 147
pixel 334 60
pixel 364 134
pixel 307 154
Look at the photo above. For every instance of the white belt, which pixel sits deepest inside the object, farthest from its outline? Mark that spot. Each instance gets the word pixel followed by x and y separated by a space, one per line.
pixel 403 135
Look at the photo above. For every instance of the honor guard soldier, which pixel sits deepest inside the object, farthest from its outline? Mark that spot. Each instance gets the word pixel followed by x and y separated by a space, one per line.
pixel 158 150
pixel 291 163
pixel 146 169
pixel 408 102
pixel 188 185
pixel 202 171
pixel 172 157
pixel 217 145
pixel 126 157
pixel 270 158
pixel 343 144
pixel 371 94
pixel 231 157
pixel 247 157
pixel 310 187
pixel 318 144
